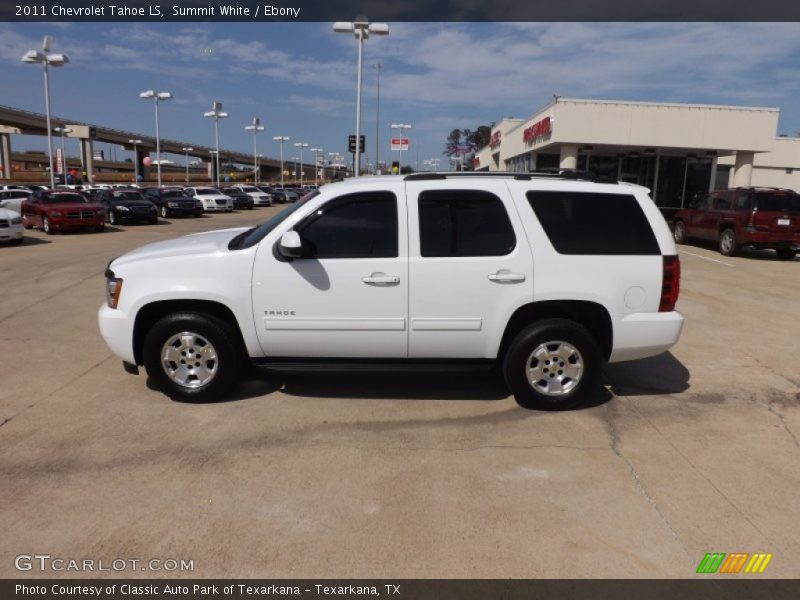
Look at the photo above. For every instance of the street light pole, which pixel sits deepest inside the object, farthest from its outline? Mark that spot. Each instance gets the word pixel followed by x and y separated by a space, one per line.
pixel 135 159
pixel 63 131
pixel 361 28
pixel 401 127
pixel 46 59
pixel 186 152
pixel 301 145
pixel 255 128
pixel 157 97
pixel 216 113
pixel 281 139
pixel 316 152
pixel 379 66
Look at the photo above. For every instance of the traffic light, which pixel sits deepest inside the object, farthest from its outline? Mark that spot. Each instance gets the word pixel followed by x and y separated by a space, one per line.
pixel 395 167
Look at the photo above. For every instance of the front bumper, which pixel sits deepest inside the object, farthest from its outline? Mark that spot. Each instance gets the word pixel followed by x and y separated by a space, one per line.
pixel 61 224
pixel 14 232
pixel 117 330
pixel 640 335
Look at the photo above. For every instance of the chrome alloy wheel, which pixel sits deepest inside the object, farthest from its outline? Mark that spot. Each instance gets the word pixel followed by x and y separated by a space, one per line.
pixel 189 360
pixel 554 368
pixel 727 242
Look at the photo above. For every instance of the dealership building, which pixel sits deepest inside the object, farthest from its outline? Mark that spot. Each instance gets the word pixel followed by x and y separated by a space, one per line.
pixel 676 150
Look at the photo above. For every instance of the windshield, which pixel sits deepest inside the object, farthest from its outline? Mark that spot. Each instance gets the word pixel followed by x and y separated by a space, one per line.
pixel 250 189
pixel 64 199
pixel 173 194
pixel 127 196
pixel 207 191
pixel 778 201
pixel 252 236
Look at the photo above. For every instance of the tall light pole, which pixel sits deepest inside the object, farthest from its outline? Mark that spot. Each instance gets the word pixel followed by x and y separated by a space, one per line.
pixel 157 97
pixel 379 67
pixel 361 28
pixel 294 171
pixel 186 153
pixel 53 60
pixel 334 161
pixel 301 145
pixel 281 139
pixel 135 159
pixel 401 127
pixel 255 127
pixel 316 152
pixel 216 113
pixel 63 131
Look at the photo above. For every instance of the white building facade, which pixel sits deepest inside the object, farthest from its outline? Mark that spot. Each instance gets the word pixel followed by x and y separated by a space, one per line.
pixel 676 150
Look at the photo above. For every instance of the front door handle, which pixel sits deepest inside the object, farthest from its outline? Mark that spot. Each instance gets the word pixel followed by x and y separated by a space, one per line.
pixel 506 276
pixel 381 279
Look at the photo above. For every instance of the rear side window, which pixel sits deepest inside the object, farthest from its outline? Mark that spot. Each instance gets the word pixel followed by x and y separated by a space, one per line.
pixel 360 225
pixel 586 223
pixel 778 201
pixel 464 223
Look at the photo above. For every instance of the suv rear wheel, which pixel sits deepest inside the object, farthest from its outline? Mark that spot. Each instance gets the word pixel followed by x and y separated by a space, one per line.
pixel 552 365
pixel 679 232
pixel 785 253
pixel 728 246
pixel 192 357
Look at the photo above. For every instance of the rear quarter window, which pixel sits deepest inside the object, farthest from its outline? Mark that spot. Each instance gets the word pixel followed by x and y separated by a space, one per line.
pixel 590 223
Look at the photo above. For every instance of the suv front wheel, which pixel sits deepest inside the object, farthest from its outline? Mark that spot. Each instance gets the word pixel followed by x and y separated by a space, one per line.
pixel 552 365
pixel 193 357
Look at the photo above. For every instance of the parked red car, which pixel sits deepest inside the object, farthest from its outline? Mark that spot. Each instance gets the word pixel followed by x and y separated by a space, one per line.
pixel 58 210
pixel 755 216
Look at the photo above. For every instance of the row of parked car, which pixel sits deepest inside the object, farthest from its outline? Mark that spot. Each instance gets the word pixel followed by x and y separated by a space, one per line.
pixel 91 207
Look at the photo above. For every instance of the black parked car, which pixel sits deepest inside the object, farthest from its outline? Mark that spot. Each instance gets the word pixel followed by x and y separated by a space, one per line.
pixel 282 195
pixel 240 199
pixel 173 201
pixel 126 206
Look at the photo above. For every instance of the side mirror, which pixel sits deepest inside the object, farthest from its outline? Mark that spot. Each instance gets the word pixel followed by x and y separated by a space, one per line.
pixel 291 246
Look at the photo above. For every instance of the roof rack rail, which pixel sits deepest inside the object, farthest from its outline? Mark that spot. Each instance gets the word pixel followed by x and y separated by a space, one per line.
pixel 554 173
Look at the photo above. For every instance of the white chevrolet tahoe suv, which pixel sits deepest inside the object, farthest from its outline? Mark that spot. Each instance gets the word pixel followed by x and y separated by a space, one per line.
pixel 546 276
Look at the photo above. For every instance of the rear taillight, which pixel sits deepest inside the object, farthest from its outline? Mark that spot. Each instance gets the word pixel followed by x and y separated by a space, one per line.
pixel 671 283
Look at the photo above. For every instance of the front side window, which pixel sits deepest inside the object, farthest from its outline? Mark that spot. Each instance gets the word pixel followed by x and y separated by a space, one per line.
pixel 464 223
pixel 589 223
pixel 362 225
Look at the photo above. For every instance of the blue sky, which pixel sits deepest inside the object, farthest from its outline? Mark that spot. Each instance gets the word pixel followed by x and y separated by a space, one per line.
pixel 299 78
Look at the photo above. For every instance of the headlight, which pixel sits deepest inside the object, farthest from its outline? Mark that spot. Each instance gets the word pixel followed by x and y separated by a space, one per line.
pixel 113 290
pixel 123 208
pixel 16 221
pixel 172 204
pixel 55 213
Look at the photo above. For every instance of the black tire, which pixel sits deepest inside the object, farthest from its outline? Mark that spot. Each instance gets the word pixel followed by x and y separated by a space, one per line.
pixel 154 221
pixel 112 219
pixel 679 232
pixel 546 334
pixel 46 226
pixel 100 228
pixel 223 340
pixel 728 244
pixel 785 253
pixel 164 211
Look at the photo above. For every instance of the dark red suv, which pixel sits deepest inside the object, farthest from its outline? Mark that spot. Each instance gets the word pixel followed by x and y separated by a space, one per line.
pixel 755 216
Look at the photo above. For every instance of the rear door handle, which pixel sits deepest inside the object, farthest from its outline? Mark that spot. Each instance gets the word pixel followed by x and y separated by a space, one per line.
pixel 506 276
pixel 381 279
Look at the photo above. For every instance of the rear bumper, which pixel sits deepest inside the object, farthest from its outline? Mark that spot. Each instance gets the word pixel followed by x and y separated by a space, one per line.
pixel 640 335
pixel 769 239
pixel 117 330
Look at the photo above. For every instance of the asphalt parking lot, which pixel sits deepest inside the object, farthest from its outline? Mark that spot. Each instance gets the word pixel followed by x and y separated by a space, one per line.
pixel 695 451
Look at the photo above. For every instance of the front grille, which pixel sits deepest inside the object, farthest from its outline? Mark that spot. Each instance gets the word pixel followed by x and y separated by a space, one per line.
pixel 222 202
pixel 141 210
pixel 80 214
pixel 4 223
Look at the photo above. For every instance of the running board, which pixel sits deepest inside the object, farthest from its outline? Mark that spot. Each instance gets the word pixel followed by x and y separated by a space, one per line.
pixel 371 365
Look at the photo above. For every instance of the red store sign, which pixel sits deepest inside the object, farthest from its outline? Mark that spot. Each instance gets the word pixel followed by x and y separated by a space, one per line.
pixel 494 141
pixel 538 130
